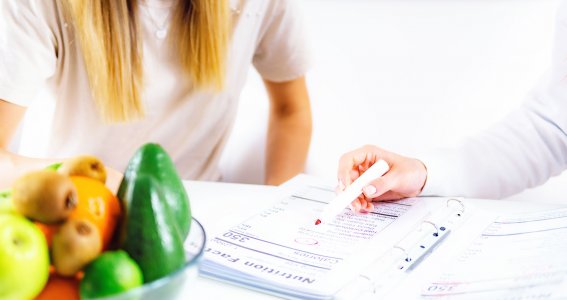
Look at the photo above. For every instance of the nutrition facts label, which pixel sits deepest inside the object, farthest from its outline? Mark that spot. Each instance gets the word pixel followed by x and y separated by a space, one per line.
pixel 281 248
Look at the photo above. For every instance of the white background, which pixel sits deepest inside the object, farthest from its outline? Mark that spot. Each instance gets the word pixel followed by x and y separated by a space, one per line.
pixel 408 75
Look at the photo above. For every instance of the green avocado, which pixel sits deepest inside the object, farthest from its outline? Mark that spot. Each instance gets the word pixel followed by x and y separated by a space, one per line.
pixel 152 160
pixel 149 233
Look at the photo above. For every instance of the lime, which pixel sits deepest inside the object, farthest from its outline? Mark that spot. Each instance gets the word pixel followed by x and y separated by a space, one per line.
pixel 111 273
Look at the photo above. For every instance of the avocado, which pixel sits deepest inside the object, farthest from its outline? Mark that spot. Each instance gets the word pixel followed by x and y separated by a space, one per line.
pixel 153 161
pixel 149 232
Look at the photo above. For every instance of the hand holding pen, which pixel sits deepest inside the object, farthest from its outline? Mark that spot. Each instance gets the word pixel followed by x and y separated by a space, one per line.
pixel 353 191
pixel 405 177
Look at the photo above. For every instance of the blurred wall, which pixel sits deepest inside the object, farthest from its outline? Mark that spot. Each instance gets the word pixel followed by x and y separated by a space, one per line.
pixel 408 75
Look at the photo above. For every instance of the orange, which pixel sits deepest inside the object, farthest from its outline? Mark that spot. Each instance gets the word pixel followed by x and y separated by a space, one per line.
pixel 98 205
pixel 60 288
pixel 48 230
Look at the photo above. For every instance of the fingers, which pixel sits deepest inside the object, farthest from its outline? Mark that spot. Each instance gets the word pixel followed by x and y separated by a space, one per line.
pixel 388 196
pixel 340 187
pixel 358 204
pixel 113 179
pixel 361 205
pixel 355 162
pixel 369 190
pixel 379 186
pixel 369 206
pixel 352 175
pixel 406 177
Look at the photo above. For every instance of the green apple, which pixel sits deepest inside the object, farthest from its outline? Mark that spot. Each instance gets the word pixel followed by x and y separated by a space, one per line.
pixel 24 258
pixel 6 205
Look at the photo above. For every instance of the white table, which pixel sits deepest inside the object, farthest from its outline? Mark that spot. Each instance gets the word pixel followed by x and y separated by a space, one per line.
pixel 219 206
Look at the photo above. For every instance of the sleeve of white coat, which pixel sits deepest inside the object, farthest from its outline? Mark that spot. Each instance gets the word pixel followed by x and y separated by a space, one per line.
pixel 282 52
pixel 27 49
pixel 524 150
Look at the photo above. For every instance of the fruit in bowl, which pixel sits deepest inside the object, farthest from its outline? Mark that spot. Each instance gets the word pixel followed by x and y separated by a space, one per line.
pixel 157 215
pixel 24 258
pixel 171 285
pixel 139 244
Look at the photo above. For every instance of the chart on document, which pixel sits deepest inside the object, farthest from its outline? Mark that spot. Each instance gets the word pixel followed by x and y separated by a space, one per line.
pixel 281 244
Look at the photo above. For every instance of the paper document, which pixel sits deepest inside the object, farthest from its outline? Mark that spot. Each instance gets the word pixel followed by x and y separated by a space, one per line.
pixel 281 251
pixel 404 248
pixel 516 257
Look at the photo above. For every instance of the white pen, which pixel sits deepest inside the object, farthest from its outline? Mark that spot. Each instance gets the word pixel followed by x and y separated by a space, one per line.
pixel 342 200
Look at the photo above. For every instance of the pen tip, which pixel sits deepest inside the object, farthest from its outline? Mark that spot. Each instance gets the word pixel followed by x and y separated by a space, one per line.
pixel 317 222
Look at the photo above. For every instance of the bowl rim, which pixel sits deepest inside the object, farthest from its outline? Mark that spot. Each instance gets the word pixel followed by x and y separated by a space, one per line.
pixel 162 281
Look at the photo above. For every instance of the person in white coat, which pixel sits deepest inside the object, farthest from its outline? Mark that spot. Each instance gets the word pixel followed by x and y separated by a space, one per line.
pixel 523 150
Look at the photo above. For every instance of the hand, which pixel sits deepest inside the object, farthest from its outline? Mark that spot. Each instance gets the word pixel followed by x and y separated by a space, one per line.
pixel 113 179
pixel 405 178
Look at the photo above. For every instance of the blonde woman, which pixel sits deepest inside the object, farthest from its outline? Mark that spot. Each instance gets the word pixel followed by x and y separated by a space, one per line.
pixel 115 74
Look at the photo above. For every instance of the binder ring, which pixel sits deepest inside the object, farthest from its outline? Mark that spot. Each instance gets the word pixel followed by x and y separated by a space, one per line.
pixel 434 226
pixel 370 281
pixel 407 259
pixel 462 210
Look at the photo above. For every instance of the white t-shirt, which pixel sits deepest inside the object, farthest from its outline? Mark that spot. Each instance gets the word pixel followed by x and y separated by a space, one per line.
pixel 522 151
pixel 41 68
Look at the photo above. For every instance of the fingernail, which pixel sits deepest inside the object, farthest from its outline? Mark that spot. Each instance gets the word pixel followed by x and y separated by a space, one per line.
pixel 356 207
pixel 369 190
pixel 341 185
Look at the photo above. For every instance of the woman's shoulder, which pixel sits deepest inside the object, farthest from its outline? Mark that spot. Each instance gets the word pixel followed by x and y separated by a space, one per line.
pixel 29 11
pixel 29 6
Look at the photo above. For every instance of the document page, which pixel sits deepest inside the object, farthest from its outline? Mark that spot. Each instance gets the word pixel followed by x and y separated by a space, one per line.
pixel 281 250
pixel 515 257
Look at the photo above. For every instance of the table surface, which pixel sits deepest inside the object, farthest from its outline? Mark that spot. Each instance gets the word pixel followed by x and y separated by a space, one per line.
pixel 219 206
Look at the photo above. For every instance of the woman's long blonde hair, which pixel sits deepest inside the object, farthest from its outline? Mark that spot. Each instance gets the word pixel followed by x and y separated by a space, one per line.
pixel 109 35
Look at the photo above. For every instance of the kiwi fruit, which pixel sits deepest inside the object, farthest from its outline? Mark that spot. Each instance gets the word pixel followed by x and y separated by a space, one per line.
pixel 85 165
pixel 44 196
pixel 75 245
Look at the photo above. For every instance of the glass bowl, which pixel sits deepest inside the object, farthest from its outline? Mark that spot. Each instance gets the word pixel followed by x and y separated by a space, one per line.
pixel 169 287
